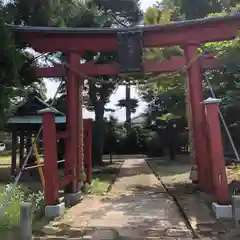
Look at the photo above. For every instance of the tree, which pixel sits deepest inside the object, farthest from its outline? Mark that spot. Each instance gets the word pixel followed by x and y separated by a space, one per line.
pixel 193 9
pixel 95 13
pixel 92 13
pixel 40 12
pixel 121 12
pixel 17 79
pixel 164 94
pixel 224 81
pixel 130 104
pixel 110 143
pixel 118 14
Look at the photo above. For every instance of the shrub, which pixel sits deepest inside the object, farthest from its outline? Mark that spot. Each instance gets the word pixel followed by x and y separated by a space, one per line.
pixel 10 218
pixel 37 200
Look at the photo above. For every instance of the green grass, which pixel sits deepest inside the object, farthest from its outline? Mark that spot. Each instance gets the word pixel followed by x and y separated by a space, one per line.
pixel 10 219
pixel 171 172
pixel 12 212
pixel 28 191
pixel 9 222
pixel 5 159
pixel 5 153
pixel 3 234
pixel 103 178
pixel 98 186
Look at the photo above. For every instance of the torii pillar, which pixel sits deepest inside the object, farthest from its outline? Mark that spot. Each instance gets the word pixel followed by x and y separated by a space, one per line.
pixel 195 95
pixel 74 146
pixel 219 177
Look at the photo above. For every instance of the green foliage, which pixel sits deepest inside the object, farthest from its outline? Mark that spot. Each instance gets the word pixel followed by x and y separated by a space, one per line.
pixel 99 186
pixel 121 12
pixel 225 80
pixel 38 204
pixel 10 57
pixel 155 144
pixel 17 78
pixel 166 95
pixel 91 13
pixel 193 9
pixel 11 216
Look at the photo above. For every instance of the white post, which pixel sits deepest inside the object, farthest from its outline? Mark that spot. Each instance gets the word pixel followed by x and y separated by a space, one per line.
pixel 26 221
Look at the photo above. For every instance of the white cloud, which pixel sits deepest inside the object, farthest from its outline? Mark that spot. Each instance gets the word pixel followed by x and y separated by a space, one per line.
pixel 119 94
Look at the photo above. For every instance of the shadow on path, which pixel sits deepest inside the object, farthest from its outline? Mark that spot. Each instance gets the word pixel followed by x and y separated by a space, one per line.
pixel 137 207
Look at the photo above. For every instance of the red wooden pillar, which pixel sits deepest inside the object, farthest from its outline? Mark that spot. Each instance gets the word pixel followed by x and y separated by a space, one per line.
pixel 195 91
pixel 50 156
pixel 78 157
pixel 88 149
pixel 72 122
pixel 219 176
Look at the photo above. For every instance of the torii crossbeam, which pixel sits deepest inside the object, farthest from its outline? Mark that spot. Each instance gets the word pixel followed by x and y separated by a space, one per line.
pixel 92 69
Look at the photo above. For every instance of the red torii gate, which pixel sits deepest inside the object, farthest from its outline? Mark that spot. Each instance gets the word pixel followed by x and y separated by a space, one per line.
pixel 74 42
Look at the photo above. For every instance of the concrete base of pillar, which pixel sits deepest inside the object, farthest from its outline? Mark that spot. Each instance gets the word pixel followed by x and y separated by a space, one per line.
pixel 222 211
pixel 73 198
pixel 52 211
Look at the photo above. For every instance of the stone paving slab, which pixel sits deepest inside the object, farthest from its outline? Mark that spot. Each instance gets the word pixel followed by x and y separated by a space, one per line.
pixel 135 175
pixel 193 205
pixel 137 207
pixel 144 210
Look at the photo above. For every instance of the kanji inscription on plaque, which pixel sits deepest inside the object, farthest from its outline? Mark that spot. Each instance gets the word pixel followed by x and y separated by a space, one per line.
pixel 130 51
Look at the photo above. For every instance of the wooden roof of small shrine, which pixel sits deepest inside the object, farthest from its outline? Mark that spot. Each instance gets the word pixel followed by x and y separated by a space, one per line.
pixel 32 106
pixel 26 116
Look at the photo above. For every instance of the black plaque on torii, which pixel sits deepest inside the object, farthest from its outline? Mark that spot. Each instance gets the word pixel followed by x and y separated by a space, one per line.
pixel 130 51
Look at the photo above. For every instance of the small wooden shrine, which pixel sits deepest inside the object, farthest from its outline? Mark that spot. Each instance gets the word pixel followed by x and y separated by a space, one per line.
pixel 25 123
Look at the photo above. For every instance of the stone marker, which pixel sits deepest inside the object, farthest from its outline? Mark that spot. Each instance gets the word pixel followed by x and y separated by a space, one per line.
pixel 26 221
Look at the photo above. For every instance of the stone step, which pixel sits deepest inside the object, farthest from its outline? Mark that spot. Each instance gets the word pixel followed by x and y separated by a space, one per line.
pixel 125 233
pixel 119 238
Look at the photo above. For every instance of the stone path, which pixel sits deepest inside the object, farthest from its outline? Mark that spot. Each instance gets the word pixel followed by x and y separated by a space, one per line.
pixel 136 208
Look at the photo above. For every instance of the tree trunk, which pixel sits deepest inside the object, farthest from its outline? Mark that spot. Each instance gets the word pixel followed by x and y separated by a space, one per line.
pixel 128 112
pixel 2 108
pixel 99 132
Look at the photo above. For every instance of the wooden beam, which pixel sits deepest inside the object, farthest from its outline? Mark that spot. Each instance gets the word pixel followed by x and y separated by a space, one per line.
pixel 192 35
pixel 174 34
pixel 92 69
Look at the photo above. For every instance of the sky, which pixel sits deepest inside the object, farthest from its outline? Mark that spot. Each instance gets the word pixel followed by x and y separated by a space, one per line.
pixel 119 94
